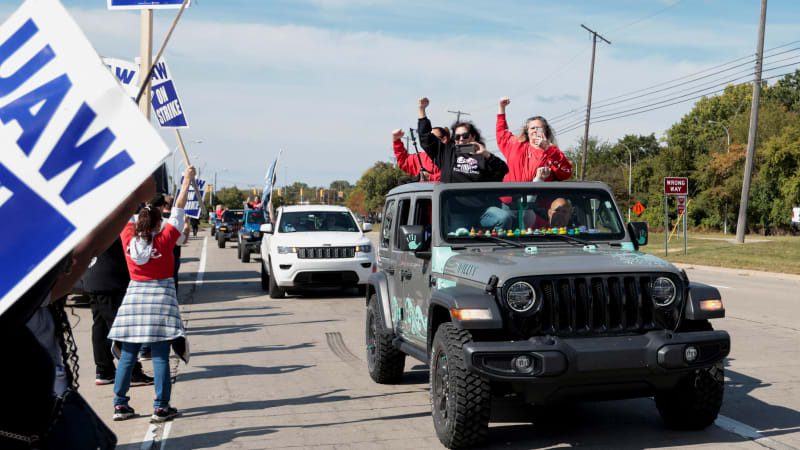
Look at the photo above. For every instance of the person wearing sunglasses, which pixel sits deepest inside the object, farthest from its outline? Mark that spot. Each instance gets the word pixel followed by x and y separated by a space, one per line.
pixel 533 155
pixel 469 161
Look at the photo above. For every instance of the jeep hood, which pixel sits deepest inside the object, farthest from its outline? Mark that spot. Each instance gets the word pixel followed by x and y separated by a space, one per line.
pixel 510 263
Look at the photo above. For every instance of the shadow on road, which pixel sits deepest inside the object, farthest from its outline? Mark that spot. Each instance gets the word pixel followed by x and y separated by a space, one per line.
pixel 212 330
pixel 740 405
pixel 191 317
pixel 262 348
pixel 237 370
pixel 213 439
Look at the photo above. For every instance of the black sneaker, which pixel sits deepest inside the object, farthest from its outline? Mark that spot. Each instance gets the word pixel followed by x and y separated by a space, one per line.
pixel 141 379
pixel 102 380
pixel 123 412
pixel 164 414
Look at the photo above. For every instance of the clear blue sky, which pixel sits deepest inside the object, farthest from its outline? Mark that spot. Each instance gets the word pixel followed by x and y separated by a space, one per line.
pixel 328 80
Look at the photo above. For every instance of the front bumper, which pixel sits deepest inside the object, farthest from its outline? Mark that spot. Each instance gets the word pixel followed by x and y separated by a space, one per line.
pixel 290 271
pixel 597 359
pixel 252 244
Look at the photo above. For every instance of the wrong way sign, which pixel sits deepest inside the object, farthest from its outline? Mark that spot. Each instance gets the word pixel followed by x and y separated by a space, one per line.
pixel 676 186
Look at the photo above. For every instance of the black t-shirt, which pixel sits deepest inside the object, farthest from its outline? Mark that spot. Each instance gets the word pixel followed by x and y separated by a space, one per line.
pixel 455 167
pixel 109 273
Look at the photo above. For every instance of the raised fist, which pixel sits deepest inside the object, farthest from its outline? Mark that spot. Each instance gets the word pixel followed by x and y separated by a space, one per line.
pixel 398 134
pixel 505 101
pixel 424 102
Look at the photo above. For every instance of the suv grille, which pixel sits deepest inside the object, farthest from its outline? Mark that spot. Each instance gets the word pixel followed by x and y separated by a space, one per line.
pixel 596 304
pixel 326 252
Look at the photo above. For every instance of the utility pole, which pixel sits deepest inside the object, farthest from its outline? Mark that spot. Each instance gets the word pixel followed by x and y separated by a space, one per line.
pixel 589 100
pixel 741 224
pixel 458 115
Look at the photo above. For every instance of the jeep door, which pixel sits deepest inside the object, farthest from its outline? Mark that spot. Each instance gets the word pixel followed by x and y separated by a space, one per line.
pixel 389 260
pixel 415 273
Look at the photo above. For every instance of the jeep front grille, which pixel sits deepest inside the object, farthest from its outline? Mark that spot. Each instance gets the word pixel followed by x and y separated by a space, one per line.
pixel 326 252
pixel 595 304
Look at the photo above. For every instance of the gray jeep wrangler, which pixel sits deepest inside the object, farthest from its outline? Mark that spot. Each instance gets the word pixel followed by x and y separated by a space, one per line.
pixel 536 290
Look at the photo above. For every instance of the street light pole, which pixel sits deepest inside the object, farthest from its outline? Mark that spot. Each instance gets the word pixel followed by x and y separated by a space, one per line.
pixel 727 133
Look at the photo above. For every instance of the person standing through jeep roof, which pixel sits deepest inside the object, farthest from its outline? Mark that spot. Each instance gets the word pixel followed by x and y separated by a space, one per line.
pixel 476 165
pixel 419 164
pixel 531 156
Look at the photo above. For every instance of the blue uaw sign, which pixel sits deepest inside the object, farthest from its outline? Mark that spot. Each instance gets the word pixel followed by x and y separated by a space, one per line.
pixel 166 105
pixel 145 4
pixel 126 72
pixel 192 208
pixel 73 144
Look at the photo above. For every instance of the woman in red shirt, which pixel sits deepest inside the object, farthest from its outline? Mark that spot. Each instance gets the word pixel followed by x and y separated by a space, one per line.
pixel 149 313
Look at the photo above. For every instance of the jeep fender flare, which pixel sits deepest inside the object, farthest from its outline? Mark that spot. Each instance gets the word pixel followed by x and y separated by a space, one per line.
pixel 697 293
pixel 378 284
pixel 461 297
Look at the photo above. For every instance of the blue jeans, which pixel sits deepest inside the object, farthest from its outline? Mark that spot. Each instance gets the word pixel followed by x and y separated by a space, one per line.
pixel 162 383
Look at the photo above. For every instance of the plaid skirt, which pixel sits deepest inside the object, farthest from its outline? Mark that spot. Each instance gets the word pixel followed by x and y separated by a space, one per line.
pixel 149 313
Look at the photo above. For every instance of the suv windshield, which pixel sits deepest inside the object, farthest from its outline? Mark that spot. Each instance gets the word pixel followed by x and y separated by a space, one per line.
pixel 233 216
pixel 530 213
pixel 317 221
pixel 255 217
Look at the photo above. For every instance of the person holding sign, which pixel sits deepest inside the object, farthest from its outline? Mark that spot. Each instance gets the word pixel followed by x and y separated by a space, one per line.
pixel 149 313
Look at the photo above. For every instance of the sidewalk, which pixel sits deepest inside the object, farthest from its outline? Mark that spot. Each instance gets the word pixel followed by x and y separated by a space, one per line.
pixel 733 271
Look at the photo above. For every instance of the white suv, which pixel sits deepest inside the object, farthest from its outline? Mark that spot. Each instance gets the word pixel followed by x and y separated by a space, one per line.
pixel 315 246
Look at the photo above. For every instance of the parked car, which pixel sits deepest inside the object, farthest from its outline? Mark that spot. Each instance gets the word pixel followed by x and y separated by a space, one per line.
pixel 536 291
pixel 227 229
pixel 315 246
pixel 249 239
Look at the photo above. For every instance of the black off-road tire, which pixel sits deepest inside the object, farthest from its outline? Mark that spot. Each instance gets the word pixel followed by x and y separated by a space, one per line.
pixel 212 230
pixel 220 240
pixel 385 363
pixel 460 401
pixel 245 255
pixel 695 402
pixel 239 251
pixel 264 277
pixel 275 291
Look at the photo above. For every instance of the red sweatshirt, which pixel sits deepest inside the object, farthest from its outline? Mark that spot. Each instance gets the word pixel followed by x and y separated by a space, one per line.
pixel 161 262
pixel 410 164
pixel 523 159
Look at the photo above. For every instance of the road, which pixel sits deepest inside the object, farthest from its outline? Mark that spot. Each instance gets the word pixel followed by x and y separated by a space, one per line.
pixel 290 373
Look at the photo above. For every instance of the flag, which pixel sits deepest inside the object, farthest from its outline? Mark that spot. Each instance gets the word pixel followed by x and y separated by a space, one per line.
pixel 269 183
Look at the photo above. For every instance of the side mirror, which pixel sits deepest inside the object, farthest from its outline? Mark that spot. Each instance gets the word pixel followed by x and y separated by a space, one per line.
pixel 366 226
pixel 412 238
pixel 266 228
pixel 638 232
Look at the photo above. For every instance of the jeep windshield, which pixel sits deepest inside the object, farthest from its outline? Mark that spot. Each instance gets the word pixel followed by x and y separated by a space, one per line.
pixel 292 222
pixel 553 212
pixel 255 217
pixel 232 216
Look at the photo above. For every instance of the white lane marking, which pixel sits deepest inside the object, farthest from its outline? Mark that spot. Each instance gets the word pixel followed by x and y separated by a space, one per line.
pixel 748 432
pixel 165 435
pixel 202 266
pixel 719 286
pixel 149 437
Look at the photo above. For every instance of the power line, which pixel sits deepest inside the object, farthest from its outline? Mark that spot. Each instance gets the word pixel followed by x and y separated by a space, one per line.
pixel 662 106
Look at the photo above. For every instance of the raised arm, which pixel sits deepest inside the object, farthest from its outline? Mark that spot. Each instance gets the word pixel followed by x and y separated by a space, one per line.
pixel 503 136
pixel 407 163
pixel 188 177
pixel 429 142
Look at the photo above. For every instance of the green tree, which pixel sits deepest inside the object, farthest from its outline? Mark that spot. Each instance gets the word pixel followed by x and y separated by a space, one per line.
pixel 231 197
pixel 376 182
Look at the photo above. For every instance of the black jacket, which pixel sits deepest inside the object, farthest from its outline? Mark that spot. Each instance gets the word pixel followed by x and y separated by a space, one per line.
pixel 109 273
pixel 458 168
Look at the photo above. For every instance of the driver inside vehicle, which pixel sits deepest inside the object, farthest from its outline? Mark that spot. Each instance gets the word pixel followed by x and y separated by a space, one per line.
pixel 559 214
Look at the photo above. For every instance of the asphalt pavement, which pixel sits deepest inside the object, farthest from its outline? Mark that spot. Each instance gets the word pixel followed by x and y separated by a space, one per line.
pixel 290 373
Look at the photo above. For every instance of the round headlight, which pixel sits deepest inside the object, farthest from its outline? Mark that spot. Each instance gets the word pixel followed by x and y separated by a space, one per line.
pixel 521 296
pixel 663 291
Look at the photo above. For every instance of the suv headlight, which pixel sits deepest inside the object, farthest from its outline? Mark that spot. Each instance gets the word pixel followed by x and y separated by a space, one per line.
pixel 284 250
pixel 663 291
pixel 521 296
pixel 366 248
